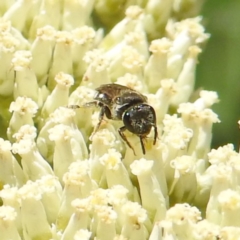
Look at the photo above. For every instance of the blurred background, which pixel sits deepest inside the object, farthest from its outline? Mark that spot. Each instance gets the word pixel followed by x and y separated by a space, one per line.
pixel 219 67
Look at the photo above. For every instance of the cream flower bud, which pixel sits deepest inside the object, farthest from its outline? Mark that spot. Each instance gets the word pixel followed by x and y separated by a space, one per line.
pixel 176 137
pixel 70 192
pixel 204 185
pixel 170 122
pixel 33 213
pixel 183 217
pixel 34 165
pixel 10 197
pixel 64 116
pixel 80 219
pixel 26 132
pixel 132 22
pixel 62 57
pixel 138 40
pixel 174 66
pixel 82 234
pixel 51 190
pixel 183 9
pixel 49 13
pixel 11 33
pixel 204 133
pixel 83 41
pixel 77 183
pixel 163 97
pixel 201 141
pixel 182 41
pixel 5 5
pixel 42 50
pixel 134 218
pixel 156 67
pixel 76 13
pixel 19 8
pixel 160 12
pixel 117 197
pixel 106 139
pixel 132 82
pixel 184 183
pixel 21 60
pixel 229 233
pixel 59 95
pixel 56 234
pixel 229 201
pixel 8 47
pixel 187 33
pixel 205 230
pixel 222 180
pixel 105 218
pixel 10 172
pixel 44 144
pixel 98 200
pixel 99 197
pixel 200 120
pixel 115 171
pixel 151 194
pixel 80 97
pixel 25 79
pixel 186 79
pixel 156 232
pixel 206 100
pixel 97 70
pixel 80 172
pixel 163 229
pixel 222 155
pixel 128 61
pixel 7 223
pixel 63 156
pixel 24 109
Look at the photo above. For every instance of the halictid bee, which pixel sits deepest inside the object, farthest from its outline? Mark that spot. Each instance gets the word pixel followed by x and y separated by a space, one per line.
pixel 118 102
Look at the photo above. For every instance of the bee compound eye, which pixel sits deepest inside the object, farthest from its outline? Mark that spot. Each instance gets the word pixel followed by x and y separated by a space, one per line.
pixel 128 120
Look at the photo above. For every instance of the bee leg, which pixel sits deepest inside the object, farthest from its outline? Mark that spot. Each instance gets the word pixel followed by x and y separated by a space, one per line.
pixel 100 118
pixel 155 134
pixel 122 135
pixel 142 145
pixel 73 106
pixel 91 104
pixel 86 105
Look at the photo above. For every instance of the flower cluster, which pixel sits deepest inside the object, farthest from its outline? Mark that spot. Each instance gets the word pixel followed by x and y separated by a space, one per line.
pixel 58 180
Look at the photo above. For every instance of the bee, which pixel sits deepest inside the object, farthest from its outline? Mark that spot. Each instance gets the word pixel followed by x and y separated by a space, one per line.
pixel 119 102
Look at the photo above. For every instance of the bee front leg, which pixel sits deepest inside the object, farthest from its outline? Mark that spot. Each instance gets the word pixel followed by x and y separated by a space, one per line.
pixel 103 111
pixel 142 144
pixel 155 135
pixel 86 105
pixel 122 135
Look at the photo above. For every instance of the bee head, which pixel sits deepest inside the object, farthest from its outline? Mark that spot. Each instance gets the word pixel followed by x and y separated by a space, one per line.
pixel 139 119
